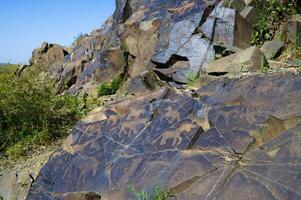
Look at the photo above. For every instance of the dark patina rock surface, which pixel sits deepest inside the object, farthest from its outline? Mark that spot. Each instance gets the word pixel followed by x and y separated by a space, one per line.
pixel 152 35
pixel 234 139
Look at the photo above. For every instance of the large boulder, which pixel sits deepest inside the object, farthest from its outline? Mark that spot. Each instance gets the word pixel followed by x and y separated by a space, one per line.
pixel 48 54
pixel 237 139
pixel 248 60
pixel 226 26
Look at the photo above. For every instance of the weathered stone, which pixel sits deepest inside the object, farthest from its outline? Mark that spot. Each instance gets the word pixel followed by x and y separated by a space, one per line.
pixel 291 32
pixel 48 54
pixel 153 32
pixel 249 2
pixel 103 68
pixel 237 139
pixel 141 43
pixel 95 115
pixel 272 48
pixel 249 60
pixel 227 26
pixel 81 196
pixel 194 48
pixel 142 84
pixel 250 14
pixel 16 177
pixel 179 35
pixel 169 72
pixel 238 5
pixel 294 62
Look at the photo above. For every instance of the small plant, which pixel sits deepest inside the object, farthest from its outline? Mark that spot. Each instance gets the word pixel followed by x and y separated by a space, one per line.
pixel 110 87
pixel 191 78
pixel 79 37
pixel 156 194
pixel 269 19
pixel 264 66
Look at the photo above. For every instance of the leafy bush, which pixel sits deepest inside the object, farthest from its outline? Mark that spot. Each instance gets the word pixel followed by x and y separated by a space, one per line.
pixel 156 194
pixel 269 18
pixel 31 114
pixel 110 87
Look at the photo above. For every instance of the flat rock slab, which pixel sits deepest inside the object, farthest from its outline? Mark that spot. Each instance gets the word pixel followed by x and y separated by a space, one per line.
pixel 248 60
pixel 237 139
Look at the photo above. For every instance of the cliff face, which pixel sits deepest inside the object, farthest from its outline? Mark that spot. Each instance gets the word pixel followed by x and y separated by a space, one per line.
pixel 234 138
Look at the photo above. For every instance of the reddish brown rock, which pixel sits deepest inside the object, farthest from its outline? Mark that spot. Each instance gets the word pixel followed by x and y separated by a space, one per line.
pixel 48 54
pixel 251 149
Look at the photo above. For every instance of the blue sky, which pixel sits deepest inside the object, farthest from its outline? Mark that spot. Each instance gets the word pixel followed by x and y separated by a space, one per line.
pixel 25 24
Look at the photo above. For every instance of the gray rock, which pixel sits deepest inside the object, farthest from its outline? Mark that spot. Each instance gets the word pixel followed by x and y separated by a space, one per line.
pixel 238 5
pixel 294 62
pixel 169 72
pixel 250 14
pixel 199 52
pixel 272 48
pixel 248 60
pixel 182 43
pixel 179 35
pixel 227 26
pixel 291 32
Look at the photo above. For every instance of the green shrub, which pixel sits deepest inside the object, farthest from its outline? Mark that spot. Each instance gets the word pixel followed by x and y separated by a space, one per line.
pixel 110 87
pixel 156 194
pixel 31 114
pixel 269 19
pixel 8 68
pixel 191 78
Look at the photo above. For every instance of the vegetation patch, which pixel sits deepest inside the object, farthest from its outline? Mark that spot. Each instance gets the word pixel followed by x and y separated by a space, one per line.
pixel 111 87
pixel 270 18
pixel 31 114
pixel 156 194
pixel 192 78
pixel 8 68
pixel 290 52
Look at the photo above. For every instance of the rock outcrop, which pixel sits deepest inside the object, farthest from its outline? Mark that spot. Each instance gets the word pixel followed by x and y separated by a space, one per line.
pixel 173 38
pixel 248 60
pixel 236 139
pixel 231 138
pixel 48 54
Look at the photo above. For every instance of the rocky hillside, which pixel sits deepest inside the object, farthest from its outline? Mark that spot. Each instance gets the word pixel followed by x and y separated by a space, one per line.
pixel 207 104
